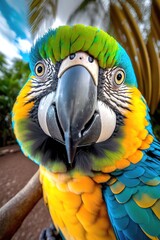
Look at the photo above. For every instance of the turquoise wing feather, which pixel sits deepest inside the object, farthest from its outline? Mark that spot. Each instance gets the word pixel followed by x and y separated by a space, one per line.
pixel 133 200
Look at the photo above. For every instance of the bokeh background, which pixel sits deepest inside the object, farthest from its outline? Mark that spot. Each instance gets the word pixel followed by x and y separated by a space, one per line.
pixel 135 24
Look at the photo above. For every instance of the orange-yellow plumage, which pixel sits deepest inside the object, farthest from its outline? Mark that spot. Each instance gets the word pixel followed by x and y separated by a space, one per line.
pixel 20 108
pixel 145 201
pixel 155 208
pixel 101 178
pixel 80 204
pixel 117 187
pixel 135 136
pixel 136 157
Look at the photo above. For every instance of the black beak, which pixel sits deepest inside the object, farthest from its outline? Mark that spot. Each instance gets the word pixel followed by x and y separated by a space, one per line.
pixel 76 100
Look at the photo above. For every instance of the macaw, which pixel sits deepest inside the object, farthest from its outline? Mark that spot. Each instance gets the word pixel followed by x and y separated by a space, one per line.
pixel 82 119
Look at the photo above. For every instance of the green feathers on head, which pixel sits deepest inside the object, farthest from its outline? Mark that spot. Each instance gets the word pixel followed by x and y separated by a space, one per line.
pixel 59 43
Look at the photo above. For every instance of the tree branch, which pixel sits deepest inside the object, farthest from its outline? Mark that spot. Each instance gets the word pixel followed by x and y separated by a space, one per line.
pixel 15 210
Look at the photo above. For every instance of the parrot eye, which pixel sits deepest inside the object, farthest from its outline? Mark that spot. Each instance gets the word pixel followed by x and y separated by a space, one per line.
pixel 39 69
pixel 119 76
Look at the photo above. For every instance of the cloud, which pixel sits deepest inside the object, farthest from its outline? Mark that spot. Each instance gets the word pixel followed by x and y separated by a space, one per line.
pixel 24 45
pixel 7 40
pixel 8 48
pixel 11 45
pixel 19 14
pixel 5 29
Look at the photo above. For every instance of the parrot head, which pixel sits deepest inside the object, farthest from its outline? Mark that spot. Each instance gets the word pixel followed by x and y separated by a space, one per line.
pixel 80 106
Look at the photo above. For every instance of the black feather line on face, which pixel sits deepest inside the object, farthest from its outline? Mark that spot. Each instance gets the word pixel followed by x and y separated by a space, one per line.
pixel 115 98
pixel 36 100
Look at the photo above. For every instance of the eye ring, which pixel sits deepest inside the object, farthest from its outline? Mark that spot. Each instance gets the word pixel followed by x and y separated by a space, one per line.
pixel 119 76
pixel 40 69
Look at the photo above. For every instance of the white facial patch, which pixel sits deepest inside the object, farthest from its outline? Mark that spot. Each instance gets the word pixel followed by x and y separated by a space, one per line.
pixel 108 121
pixel 43 109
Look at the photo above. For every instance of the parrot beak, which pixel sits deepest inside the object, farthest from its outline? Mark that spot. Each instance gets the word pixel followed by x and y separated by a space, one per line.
pixel 76 104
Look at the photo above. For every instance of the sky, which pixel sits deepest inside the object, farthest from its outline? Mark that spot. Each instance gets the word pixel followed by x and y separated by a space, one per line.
pixel 15 37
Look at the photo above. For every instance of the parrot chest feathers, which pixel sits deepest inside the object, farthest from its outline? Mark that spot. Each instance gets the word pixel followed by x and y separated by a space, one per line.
pixel 76 206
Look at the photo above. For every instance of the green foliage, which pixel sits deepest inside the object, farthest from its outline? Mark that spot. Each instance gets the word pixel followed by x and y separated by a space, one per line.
pixel 12 79
pixel 41 12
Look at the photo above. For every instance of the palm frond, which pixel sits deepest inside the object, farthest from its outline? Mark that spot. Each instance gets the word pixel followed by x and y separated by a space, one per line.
pixel 41 13
pixel 90 12
pixel 141 43
pixel 135 24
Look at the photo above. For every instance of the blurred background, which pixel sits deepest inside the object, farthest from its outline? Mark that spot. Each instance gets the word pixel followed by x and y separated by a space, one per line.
pixel 135 24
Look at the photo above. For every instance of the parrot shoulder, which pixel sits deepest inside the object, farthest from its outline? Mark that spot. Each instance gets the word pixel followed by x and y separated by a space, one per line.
pixel 133 199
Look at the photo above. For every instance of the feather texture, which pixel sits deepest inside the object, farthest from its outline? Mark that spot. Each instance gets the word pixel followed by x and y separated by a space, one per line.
pixel 112 191
pixel 133 199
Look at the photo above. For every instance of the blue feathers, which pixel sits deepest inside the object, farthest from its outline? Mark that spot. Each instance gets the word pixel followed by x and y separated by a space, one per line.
pixel 133 199
pixel 125 228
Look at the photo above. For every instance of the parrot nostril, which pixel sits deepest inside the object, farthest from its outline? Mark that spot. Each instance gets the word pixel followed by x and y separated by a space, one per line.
pixel 72 56
pixel 90 59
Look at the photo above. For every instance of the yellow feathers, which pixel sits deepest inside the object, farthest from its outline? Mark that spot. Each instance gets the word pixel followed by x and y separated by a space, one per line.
pixel 135 136
pixel 76 201
pixel 21 109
